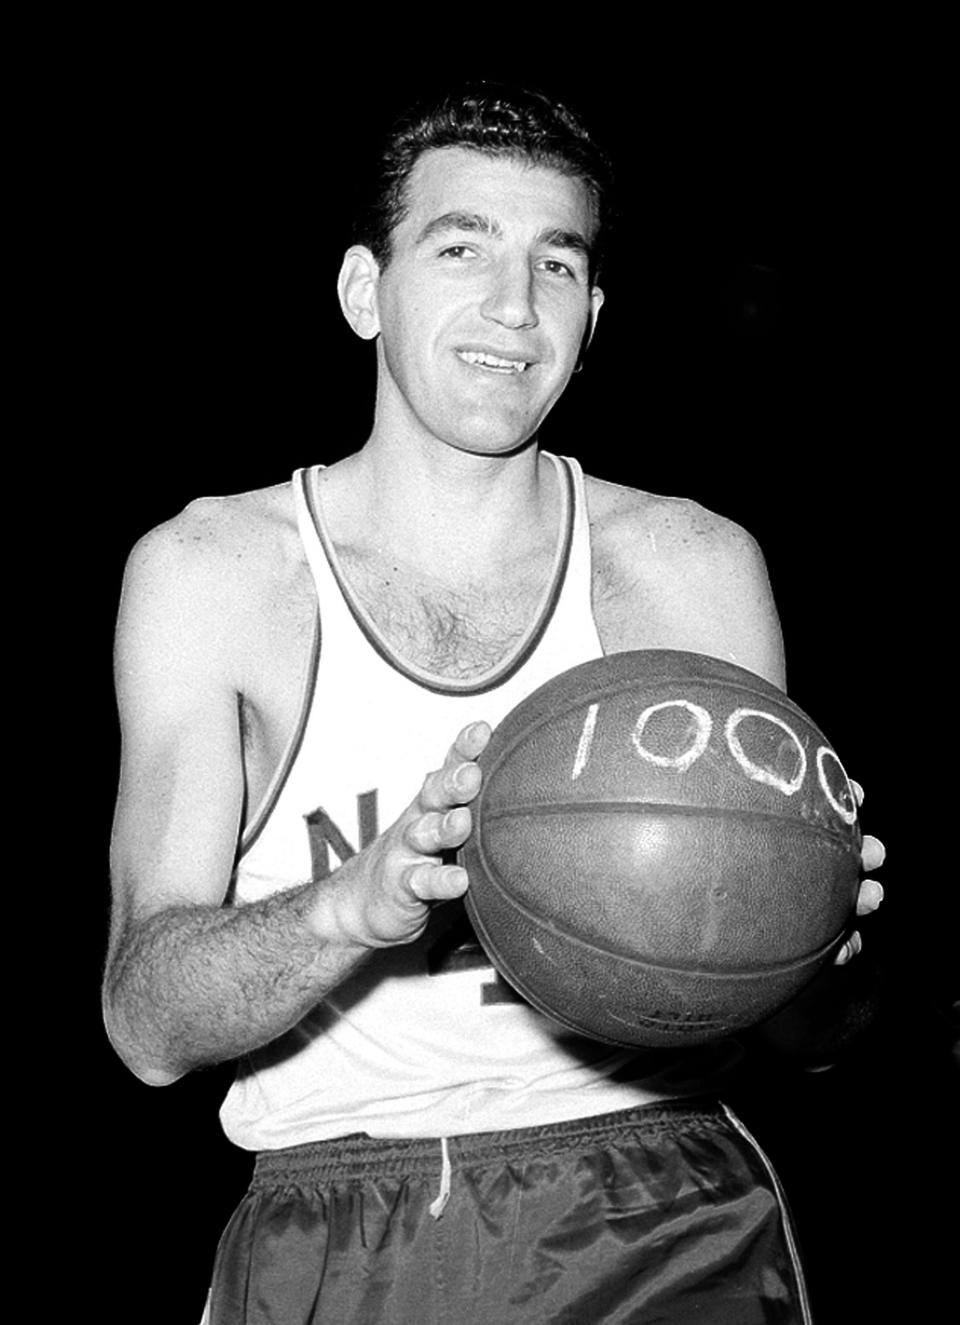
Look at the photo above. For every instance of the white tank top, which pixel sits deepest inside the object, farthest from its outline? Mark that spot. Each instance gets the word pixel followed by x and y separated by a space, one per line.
pixel 425 1040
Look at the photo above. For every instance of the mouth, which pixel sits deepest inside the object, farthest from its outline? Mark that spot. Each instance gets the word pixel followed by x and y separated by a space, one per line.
pixel 493 363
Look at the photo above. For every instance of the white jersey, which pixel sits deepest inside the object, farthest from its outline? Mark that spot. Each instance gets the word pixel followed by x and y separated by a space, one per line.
pixel 425 1040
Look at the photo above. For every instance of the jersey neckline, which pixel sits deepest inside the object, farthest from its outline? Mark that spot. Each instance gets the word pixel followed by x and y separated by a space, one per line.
pixel 516 657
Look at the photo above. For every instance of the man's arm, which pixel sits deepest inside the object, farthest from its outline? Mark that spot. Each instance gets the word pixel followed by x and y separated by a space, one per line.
pixel 188 981
pixel 681 577
pixel 743 620
pixel 739 619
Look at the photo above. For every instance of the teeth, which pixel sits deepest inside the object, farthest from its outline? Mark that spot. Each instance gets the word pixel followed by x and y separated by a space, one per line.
pixel 491 360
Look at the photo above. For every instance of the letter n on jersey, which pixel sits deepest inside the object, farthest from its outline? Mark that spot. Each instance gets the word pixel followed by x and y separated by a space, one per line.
pixel 324 834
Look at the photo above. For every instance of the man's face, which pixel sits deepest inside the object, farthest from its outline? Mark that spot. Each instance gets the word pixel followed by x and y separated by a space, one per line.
pixel 486 301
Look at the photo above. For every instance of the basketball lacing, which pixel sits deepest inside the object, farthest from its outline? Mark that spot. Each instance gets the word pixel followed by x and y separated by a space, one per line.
pixel 443 1196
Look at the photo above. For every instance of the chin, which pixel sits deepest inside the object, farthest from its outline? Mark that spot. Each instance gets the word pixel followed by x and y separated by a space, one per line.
pixel 483 436
pixel 486 444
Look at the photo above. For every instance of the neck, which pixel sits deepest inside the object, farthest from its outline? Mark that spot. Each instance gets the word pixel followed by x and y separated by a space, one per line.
pixel 448 510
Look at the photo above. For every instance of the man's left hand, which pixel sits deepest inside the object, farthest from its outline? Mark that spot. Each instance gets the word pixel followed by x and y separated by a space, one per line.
pixel 871 892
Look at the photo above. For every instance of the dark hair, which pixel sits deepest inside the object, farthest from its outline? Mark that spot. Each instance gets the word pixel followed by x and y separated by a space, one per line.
pixel 495 119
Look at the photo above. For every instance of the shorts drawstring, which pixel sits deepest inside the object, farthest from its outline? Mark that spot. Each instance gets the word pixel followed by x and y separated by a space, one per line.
pixel 437 1206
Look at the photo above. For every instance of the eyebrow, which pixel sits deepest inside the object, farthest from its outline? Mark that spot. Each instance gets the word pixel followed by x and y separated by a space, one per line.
pixel 472 221
pixel 569 239
pixel 553 237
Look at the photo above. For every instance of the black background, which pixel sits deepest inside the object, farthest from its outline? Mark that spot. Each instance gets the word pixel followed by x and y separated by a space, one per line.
pixel 764 349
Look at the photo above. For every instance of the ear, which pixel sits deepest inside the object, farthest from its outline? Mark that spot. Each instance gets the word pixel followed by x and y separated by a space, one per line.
pixel 357 287
pixel 596 303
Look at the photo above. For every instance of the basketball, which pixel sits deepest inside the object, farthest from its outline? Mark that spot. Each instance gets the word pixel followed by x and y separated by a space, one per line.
pixel 665 849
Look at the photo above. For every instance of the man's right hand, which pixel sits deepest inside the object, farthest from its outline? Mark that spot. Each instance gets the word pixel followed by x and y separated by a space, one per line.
pixel 384 894
pixel 191 979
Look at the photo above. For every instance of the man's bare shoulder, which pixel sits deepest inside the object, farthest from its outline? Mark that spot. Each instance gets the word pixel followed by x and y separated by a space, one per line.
pixel 669 573
pixel 631 529
pixel 218 545
pixel 217 586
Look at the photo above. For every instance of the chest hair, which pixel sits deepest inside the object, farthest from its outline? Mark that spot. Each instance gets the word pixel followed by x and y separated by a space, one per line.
pixel 459 632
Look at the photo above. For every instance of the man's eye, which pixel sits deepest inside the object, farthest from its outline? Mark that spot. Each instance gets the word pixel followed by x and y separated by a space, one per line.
pixel 456 251
pixel 557 268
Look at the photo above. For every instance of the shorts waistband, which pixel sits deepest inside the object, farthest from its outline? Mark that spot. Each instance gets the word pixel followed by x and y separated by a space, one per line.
pixel 360 1157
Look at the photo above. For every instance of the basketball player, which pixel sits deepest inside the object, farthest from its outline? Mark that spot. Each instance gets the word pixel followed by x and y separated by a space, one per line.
pixel 290 662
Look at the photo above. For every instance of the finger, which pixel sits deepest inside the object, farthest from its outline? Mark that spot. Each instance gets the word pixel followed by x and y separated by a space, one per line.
pixel 454 784
pixel 850 949
pixel 873 853
pixel 436 883
pixel 870 897
pixel 473 739
pixel 435 832
pixel 458 781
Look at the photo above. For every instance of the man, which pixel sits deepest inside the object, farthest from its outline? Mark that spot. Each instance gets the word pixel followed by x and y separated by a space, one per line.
pixel 289 663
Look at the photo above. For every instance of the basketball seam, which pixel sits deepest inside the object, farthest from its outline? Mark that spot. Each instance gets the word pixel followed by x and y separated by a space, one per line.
pixel 549 808
pixel 756 973
pixel 673 1025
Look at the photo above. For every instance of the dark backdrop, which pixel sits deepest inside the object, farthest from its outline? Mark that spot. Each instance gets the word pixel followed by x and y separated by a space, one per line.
pixel 756 352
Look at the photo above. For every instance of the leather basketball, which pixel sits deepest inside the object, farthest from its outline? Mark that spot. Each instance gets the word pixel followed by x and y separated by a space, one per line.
pixel 665 849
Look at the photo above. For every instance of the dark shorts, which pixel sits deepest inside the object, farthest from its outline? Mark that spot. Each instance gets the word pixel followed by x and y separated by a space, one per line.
pixel 668 1213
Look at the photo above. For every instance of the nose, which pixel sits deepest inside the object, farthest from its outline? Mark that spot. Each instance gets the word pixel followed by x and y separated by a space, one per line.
pixel 510 297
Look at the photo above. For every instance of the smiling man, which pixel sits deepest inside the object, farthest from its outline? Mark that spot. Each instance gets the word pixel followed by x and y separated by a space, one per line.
pixel 482 310
pixel 289 662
